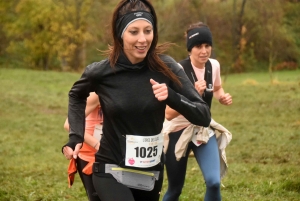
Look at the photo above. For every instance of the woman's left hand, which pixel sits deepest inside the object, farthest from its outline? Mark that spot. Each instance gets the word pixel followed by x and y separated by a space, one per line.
pixel 160 90
pixel 226 99
pixel 69 153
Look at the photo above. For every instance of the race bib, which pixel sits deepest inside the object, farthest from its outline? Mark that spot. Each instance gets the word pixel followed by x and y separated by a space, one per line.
pixel 194 138
pixel 98 132
pixel 143 151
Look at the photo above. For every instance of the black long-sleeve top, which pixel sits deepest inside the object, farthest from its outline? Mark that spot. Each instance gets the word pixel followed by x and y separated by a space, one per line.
pixel 129 105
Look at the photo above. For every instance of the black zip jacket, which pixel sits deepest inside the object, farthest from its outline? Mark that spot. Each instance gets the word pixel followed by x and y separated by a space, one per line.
pixel 129 105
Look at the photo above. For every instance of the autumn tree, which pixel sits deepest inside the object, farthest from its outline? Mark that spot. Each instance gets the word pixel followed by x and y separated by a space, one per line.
pixel 67 35
pixel 268 33
pixel 31 33
pixel 50 34
pixel 174 17
pixel 7 16
pixel 72 32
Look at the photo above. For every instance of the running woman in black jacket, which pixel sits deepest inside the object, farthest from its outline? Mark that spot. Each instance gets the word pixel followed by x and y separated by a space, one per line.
pixel 135 84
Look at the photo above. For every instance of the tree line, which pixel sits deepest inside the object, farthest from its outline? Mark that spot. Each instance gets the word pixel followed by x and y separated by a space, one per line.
pixel 66 35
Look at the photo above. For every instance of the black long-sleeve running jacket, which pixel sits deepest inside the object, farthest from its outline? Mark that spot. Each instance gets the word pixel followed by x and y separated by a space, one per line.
pixel 129 105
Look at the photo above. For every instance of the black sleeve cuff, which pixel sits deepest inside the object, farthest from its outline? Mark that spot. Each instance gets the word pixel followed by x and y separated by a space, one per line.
pixel 173 98
pixel 73 141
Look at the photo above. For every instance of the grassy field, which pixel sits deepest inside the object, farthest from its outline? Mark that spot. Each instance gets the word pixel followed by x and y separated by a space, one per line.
pixel 264 155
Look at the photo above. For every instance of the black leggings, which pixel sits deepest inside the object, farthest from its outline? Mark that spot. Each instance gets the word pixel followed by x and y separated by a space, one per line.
pixel 86 180
pixel 109 189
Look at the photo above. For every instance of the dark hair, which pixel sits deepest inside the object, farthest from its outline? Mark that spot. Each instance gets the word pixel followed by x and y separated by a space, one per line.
pixel 153 60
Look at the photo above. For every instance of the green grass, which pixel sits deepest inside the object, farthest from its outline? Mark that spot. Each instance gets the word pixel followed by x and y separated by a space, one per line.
pixel 264 155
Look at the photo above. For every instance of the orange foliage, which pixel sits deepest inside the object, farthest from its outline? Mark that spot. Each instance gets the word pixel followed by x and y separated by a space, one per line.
pixel 286 66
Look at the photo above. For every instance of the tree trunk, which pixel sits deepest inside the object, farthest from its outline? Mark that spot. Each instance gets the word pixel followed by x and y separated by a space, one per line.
pixel 236 36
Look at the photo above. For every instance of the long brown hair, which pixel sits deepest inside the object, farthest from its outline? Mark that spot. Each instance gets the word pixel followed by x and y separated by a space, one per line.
pixel 152 58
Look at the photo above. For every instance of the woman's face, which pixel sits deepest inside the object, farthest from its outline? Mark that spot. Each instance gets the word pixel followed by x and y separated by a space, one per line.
pixel 200 54
pixel 137 40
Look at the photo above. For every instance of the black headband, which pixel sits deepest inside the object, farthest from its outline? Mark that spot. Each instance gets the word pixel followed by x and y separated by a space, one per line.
pixel 124 21
pixel 198 36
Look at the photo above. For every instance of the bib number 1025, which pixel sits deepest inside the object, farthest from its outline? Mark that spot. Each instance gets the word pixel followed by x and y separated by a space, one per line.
pixel 144 152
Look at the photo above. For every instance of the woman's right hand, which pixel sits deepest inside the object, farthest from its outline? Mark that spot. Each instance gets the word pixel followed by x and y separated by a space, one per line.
pixel 160 90
pixel 70 153
pixel 200 86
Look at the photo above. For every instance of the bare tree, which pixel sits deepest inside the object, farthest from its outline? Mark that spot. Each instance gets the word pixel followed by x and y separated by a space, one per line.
pixel 237 34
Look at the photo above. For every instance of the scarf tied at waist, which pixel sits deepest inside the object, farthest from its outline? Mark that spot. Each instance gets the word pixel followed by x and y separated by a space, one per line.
pixel 202 136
